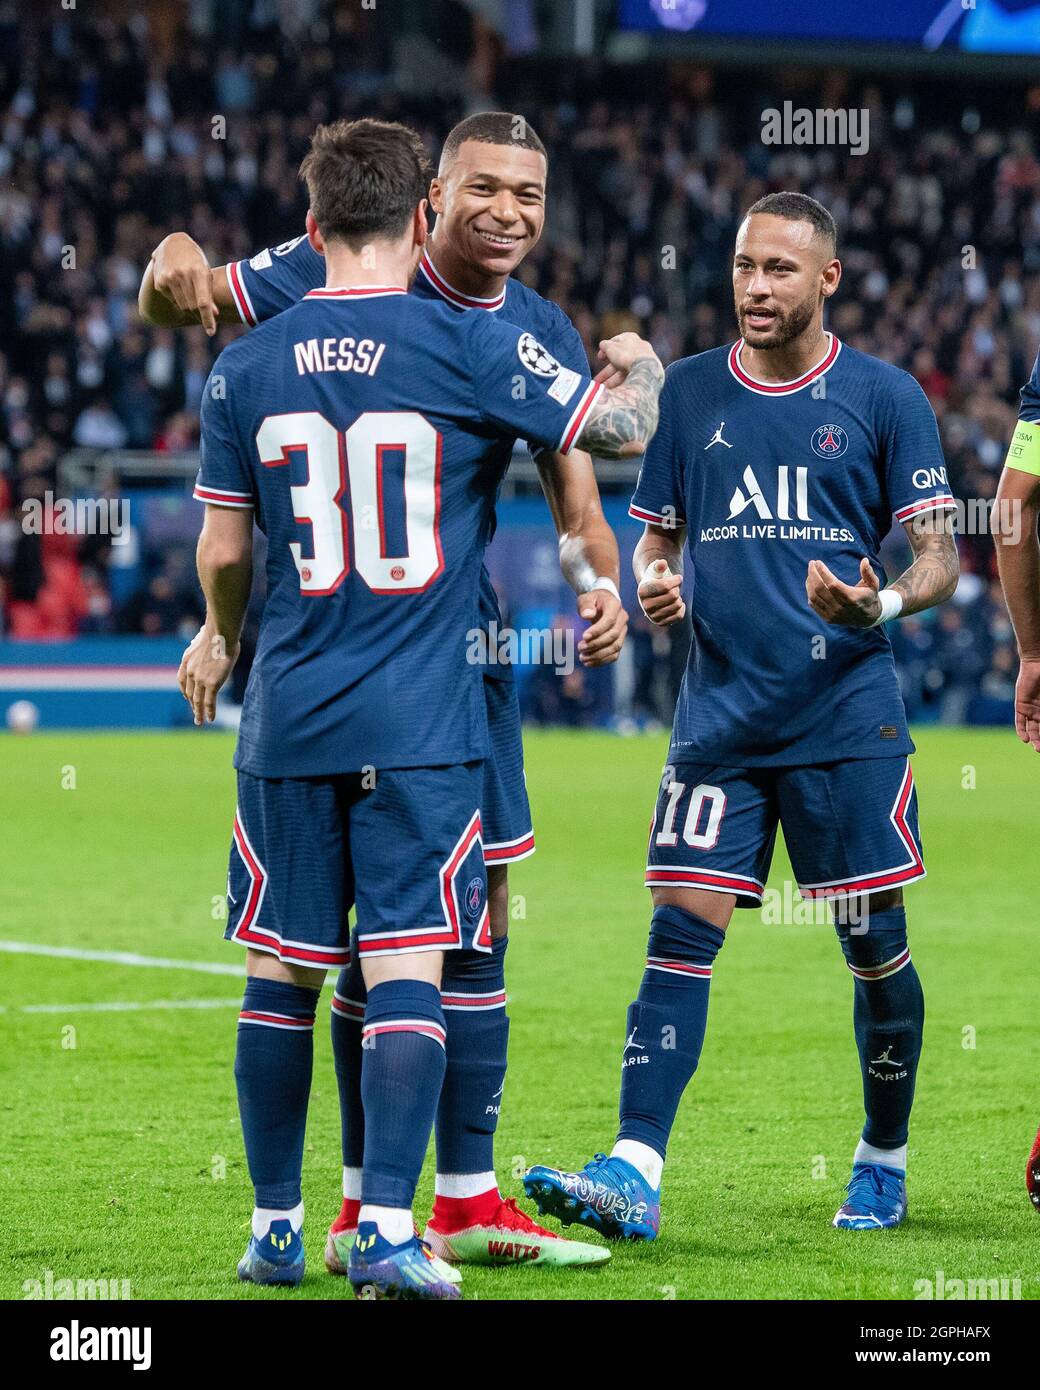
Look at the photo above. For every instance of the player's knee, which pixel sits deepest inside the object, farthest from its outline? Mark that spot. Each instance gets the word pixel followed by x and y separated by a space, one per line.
pixel 679 935
pixel 260 965
pixel 716 908
pixel 498 900
pixel 874 938
pixel 470 972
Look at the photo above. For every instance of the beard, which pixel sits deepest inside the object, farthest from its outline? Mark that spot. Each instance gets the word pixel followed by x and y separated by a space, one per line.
pixel 788 325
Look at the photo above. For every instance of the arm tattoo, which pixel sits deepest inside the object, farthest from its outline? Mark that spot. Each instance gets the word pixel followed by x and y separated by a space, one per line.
pixel 622 422
pixel 932 578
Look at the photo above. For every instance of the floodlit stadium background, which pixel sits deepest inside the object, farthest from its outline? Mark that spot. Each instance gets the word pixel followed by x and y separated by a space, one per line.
pixel 123 122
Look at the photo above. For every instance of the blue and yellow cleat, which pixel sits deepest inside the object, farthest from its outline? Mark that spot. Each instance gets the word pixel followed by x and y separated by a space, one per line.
pixel 875 1200
pixel 608 1194
pixel 378 1269
pixel 276 1259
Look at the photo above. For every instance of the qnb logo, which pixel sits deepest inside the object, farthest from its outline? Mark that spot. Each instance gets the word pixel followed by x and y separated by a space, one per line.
pixel 754 496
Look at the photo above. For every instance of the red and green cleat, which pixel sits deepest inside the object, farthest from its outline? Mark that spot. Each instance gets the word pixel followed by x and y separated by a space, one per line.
pixel 1033 1173
pixel 497 1232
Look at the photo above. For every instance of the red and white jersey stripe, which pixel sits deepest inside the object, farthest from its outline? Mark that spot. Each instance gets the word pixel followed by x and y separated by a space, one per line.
pixel 783 388
pixel 463 301
pixel 239 293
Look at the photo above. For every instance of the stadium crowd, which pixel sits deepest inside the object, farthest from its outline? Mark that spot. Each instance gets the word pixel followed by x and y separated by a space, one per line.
pixel 113 134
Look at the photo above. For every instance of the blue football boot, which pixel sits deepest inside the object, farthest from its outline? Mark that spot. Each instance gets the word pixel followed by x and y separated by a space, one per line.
pixel 378 1269
pixel 276 1259
pixel 875 1200
pixel 608 1194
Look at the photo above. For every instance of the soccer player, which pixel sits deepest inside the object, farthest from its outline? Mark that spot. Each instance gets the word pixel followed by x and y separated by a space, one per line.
pixel 783 458
pixel 1018 559
pixel 361 429
pixel 489 196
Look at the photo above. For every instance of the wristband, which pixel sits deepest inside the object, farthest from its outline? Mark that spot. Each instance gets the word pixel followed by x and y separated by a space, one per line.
pixel 602 582
pixel 891 606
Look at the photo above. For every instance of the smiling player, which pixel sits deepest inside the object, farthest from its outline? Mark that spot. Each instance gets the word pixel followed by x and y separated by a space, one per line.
pixel 489 197
pixel 790 712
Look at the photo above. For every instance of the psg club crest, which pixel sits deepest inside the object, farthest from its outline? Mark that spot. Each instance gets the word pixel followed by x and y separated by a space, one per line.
pixel 535 358
pixel 473 898
pixel 829 441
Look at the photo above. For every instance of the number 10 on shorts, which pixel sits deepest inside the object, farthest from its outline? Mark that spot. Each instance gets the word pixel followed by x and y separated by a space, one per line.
pixel 703 819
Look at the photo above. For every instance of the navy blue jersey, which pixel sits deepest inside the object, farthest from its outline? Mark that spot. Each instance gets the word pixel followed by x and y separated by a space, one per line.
pixel 280 276
pixel 767 477
pixel 1024 450
pixel 363 427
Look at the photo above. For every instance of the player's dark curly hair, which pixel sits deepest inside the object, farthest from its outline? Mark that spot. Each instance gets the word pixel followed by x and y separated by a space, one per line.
pixel 799 207
pixel 365 179
pixel 491 128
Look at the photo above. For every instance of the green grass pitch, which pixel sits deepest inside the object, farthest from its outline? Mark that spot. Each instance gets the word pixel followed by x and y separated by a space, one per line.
pixel 121 1156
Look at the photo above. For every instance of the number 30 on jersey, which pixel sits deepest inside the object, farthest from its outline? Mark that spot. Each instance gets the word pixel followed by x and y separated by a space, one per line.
pixel 352 462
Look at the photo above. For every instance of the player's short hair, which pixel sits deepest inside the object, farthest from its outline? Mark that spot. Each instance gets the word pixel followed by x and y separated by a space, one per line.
pixel 799 207
pixel 365 179
pixel 491 128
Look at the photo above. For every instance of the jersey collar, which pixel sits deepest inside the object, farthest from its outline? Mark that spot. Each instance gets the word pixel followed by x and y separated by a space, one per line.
pixel 353 292
pixel 453 296
pixel 783 388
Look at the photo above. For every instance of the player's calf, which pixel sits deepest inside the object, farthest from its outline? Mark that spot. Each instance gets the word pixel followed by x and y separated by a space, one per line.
pixel 888 1018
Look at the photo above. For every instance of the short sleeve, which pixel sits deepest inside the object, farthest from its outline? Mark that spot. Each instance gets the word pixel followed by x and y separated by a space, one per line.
pixel 660 495
pixel 562 340
pixel 274 279
pixel 520 385
pixel 224 478
pixel 1024 451
pixel 915 470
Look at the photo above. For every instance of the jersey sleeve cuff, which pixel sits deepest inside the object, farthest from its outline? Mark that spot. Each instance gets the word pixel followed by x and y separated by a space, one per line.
pixel 942 503
pixel 574 424
pixel 1024 451
pixel 642 513
pixel 221 497
pixel 239 294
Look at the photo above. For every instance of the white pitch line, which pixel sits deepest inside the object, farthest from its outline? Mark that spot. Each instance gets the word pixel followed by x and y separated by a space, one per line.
pixel 204 967
pixel 118 1007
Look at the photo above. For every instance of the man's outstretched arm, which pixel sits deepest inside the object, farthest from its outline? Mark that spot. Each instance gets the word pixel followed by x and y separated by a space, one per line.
pixel 1018 560
pixel 180 288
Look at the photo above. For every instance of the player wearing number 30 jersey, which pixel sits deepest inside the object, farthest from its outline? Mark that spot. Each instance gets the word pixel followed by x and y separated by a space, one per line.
pixel 361 429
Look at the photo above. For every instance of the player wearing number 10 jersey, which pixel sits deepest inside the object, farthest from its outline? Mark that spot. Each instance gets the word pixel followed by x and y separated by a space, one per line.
pixel 359 428
pixel 783 457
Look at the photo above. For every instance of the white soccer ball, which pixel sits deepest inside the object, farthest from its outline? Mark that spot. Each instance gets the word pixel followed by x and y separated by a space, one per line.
pixel 22 717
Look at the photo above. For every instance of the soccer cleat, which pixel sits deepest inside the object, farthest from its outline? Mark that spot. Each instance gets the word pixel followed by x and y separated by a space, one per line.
pixel 875 1199
pixel 508 1237
pixel 341 1242
pixel 379 1270
pixel 276 1259
pixel 1033 1173
pixel 608 1194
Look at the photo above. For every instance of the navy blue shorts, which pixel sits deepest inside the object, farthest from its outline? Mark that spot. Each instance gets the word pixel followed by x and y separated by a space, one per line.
pixel 406 852
pixel 505 812
pixel 849 828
